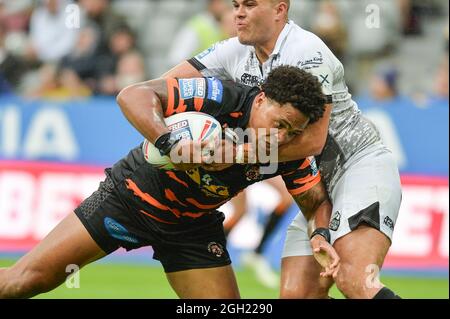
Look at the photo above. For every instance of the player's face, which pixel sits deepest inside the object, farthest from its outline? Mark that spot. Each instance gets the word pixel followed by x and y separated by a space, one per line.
pixel 255 20
pixel 268 114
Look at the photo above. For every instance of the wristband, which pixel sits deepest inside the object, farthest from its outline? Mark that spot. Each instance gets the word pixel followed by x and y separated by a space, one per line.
pixel 324 232
pixel 165 143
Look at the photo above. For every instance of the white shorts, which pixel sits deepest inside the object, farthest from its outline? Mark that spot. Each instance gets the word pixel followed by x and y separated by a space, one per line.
pixel 368 192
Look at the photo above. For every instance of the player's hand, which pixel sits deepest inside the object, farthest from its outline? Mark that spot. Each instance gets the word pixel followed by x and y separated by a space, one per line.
pixel 326 256
pixel 220 157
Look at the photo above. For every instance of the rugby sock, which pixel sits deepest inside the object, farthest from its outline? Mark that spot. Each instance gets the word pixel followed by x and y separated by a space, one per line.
pixel 270 226
pixel 386 293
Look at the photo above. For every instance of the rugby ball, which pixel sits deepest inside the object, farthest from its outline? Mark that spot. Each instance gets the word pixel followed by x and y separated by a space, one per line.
pixel 196 126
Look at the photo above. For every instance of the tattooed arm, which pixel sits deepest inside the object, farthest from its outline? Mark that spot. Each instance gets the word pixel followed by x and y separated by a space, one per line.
pixel 316 208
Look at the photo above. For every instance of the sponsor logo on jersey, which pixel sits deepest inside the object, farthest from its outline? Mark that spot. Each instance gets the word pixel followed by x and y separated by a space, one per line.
pixel 250 80
pixel 181 129
pixel 204 53
pixel 118 231
pixel 216 249
pixel 389 222
pixel 312 62
pixel 313 164
pixel 215 90
pixel 335 221
pixel 192 88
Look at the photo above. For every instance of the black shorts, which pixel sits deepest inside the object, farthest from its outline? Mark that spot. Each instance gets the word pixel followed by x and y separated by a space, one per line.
pixel 113 223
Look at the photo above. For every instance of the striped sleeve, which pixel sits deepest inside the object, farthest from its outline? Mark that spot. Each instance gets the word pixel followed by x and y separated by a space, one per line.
pixel 303 177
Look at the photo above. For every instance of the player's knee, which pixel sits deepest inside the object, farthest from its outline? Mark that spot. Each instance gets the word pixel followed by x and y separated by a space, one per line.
pixel 25 283
pixel 350 282
pixel 306 291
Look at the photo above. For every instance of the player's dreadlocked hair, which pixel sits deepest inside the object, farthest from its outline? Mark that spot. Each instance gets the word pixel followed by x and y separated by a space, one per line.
pixel 289 84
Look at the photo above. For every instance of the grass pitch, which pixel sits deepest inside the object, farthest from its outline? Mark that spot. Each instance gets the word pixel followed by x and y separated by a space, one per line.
pixel 136 281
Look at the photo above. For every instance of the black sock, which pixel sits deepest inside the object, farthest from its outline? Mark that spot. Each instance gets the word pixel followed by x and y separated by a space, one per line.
pixel 268 229
pixel 386 293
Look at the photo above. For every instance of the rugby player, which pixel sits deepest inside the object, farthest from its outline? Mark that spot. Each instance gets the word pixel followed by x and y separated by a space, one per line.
pixel 360 173
pixel 174 211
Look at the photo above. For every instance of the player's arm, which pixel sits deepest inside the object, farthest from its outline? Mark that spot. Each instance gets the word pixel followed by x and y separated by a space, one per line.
pixel 183 70
pixel 144 104
pixel 306 187
pixel 313 139
pixel 316 208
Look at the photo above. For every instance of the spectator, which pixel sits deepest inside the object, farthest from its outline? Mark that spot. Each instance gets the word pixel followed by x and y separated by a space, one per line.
pixel 384 90
pixel 51 38
pixel 83 60
pixel 199 33
pixel 103 16
pixel 59 84
pixel 121 43
pixel 15 17
pixel 373 35
pixel 227 24
pixel 330 28
pixel 11 67
pixel 439 97
pixel 130 70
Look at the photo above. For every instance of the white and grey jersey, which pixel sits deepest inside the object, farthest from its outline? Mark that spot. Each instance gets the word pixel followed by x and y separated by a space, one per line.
pixel 349 132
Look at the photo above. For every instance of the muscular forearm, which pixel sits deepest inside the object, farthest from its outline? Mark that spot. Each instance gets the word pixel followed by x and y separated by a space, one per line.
pixel 321 217
pixel 315 206
pixel 143 109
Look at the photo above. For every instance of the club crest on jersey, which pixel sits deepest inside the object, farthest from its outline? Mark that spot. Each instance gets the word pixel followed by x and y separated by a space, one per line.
pixel 335 221
pixel 216 249
pixel 253 173
pixel 192 88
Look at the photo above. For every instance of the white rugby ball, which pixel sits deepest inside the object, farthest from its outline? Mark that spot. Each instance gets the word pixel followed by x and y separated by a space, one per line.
pixel 196 126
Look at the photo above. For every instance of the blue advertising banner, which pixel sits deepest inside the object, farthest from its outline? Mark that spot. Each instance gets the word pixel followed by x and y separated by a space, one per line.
pixel 418 137
pixel 94 131
pixel 85 132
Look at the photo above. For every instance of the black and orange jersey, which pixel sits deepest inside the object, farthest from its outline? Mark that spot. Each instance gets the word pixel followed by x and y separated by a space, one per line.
pixel 228 102
pixel 174 197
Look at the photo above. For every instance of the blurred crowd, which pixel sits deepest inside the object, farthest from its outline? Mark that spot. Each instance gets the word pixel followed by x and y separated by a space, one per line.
pixel 67 49
pixel 50 49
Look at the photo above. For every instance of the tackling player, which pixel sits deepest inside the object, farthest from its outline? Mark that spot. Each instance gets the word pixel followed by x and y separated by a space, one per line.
pixel 176 211
pixel 360 173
